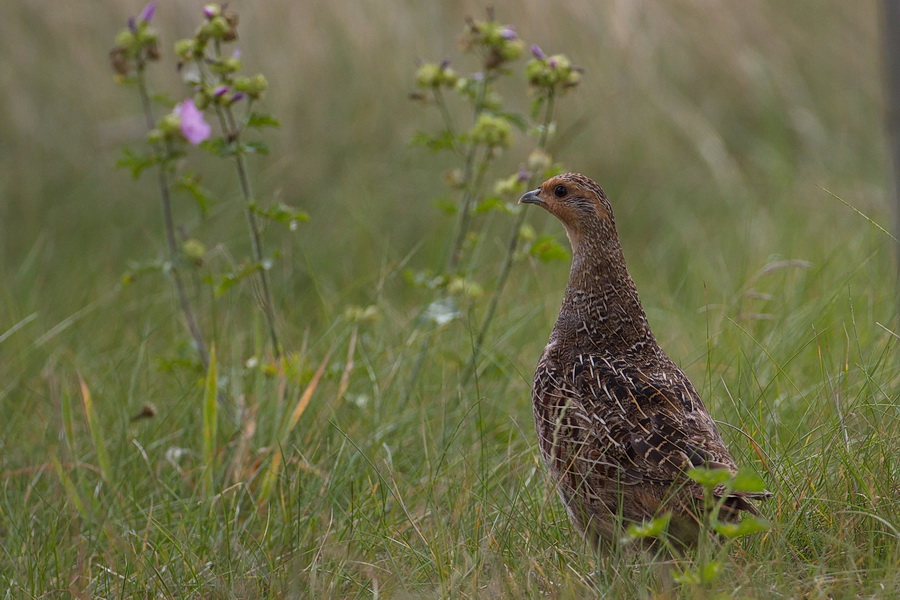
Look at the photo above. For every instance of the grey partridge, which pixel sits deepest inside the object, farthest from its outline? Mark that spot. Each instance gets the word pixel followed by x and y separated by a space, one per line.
pixel 618 422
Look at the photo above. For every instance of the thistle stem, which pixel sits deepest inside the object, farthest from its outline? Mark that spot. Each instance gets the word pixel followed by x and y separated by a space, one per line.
pixel 232 134
pixel 169 224
pixel 512 245
pixel 469 185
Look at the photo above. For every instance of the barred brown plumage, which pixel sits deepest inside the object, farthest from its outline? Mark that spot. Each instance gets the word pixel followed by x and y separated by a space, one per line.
pixel 617 421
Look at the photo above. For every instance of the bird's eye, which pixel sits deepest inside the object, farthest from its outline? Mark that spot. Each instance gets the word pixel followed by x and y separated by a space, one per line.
pixel 560 191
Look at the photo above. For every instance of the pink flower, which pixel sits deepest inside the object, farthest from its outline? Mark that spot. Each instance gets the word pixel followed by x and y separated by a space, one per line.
pixel 193 127
pixel 147 14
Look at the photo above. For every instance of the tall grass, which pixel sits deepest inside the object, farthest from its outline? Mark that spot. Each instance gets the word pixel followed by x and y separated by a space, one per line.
pixel 712 126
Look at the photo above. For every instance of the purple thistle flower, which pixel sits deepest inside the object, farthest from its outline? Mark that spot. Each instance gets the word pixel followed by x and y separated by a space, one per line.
pixel 537 52
pixel 509 33
pixel 147 14
pixel 210 11
pixel 220 91
pixel 553 63
pixel 132 25
pixel 238 96
pixel 524 175
pixel 193 127
pixel 444 64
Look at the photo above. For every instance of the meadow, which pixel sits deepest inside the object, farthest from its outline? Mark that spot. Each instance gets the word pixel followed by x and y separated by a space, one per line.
pixel 742 147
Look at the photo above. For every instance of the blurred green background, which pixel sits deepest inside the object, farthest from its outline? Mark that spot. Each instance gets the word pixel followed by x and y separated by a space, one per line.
pixel 706 121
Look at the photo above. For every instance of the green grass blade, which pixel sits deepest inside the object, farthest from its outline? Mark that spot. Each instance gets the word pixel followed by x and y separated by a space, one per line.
pixel 96 432
pixel 210 423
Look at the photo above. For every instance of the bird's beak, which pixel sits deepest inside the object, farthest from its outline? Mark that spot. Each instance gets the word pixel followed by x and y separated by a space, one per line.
pixel 532 197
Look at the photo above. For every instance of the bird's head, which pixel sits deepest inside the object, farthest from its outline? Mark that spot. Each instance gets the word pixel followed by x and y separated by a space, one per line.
pixel 575 200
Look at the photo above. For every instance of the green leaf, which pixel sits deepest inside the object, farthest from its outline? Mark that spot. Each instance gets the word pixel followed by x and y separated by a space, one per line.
pixel 163 100
pixel 648 529
pixel 259 121
pixel 536 105
pixel 218 146
pixel 705 574
pixel 446 206
pixel 136 162
pixel 748 525
pixel 435 143
pixel 492 203
pixel 711 571
pixel 229 280
pixel 546 248
pixel 517 120
pixel 709 478
pixel 254 148
pixel 284 214
pixel 190 183
pixel 748 481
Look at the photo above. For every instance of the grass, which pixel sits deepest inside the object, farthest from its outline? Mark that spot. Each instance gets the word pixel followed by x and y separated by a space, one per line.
pixel 713 130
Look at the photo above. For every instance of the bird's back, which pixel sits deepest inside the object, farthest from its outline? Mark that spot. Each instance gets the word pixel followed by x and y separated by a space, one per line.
pixel 618 435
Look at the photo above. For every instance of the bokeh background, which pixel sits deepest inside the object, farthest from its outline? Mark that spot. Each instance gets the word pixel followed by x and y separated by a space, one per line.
pixel 703 120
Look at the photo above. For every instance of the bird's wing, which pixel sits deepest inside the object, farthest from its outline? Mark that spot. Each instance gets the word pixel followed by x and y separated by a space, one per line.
pixel 654 425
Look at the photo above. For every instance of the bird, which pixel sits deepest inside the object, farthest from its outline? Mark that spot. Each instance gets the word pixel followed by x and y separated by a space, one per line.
pixel 619 424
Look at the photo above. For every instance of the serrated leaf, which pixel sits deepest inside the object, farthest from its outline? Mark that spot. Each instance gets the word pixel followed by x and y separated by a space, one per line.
pixel 709 478
pixel 711 571
pixel 748 525
pixel 218 146
pixel 652 528
pixel 136 162
pixel 491 203
pixel 259 121
pixel 546 248
pixel 748 481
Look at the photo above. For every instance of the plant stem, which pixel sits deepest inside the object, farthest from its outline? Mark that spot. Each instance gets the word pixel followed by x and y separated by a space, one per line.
pixel 511 247
pixel 162 154
pixel 469 187
pixel 256 243
pixel 232 134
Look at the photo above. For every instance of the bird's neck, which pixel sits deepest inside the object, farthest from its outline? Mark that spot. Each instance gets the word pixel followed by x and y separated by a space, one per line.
pixel 601 310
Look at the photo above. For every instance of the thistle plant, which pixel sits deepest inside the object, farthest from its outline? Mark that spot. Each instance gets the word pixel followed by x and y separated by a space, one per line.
pixel 137 46
pixel 478 146
pixel 717 537
pixel 221 92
